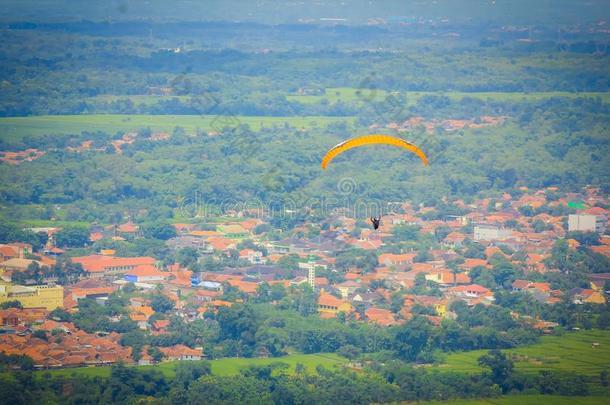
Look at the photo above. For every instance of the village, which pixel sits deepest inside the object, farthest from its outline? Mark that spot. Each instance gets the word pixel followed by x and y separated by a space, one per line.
pixel 519 230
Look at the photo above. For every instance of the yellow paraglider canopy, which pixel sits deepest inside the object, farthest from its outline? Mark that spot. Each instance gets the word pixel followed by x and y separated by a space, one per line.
pixel 371 139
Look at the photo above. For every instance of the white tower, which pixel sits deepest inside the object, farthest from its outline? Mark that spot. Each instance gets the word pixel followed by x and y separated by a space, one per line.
pixel 311 276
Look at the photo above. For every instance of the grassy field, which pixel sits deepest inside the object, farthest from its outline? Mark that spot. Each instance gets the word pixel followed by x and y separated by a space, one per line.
pixel 136 99
pixel 350 95
pixel 15 128
pixel 223 367
pixel 44 223
pixel 345 94
pixel 526 400
pixel 572 352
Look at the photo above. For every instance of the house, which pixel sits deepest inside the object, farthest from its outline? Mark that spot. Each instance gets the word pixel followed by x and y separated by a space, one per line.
pixel 17 264
pixel 221 244
pixel 379 316
pixel 472 291
pixel 247 287
pixel 529 286
pixel 446 278
pixel 470 264
pixel 206 295
pixel 160 325
pixel 10 317
pixel 599 280
pixel 180 352
pixel 330 305
pixel 128 228
pixel 438 304
pixel 389 259
pixel 97 293
pixel 587 296
pixel 8 252
pixel 347 288
pixel 144 273
pixel 252 256
pixel 100 265
pixel 454 240
pixel 145 358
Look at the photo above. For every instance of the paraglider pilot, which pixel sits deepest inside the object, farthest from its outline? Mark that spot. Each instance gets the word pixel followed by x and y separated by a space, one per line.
pixel 375 222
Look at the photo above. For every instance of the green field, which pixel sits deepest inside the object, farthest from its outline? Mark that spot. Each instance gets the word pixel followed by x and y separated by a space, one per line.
pixel 345 94
pixel 351 95
pixel 136 99
pixel 526 400
pixel 15 128
pixel 223 367
pixel 572 352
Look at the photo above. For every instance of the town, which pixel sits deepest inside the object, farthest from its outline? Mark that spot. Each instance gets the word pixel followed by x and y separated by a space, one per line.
pixel 62 308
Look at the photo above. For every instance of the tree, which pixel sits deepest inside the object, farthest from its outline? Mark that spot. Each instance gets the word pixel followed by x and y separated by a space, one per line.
pixel 75 237
pixel 40 334
pixel 500 366
pixel 412 338
pixel 187 257
pixel 160 303
pixel 422 256
pixel 603 378
pixel 11 304
pixel 61 315
pixel 159 230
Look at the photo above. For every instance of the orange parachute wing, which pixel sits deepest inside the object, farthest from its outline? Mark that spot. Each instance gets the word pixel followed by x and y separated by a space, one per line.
pixel 371 140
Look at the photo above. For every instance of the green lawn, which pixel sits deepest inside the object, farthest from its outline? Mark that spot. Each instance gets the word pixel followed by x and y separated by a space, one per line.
pixel 526 400
pixel 572 352
pixel 348 95
pixel 224 367
pixel 14 128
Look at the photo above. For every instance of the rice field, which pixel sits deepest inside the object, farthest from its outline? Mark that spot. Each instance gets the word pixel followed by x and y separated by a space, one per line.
pixel 222 367
pixel 573 352
pixel 526 400
pixel 355 95
pixel 15 128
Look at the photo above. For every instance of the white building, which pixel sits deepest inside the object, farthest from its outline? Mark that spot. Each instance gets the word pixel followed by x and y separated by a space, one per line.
pixel 587 223
pixel 491 232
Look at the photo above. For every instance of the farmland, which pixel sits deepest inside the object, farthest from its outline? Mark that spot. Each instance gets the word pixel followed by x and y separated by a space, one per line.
pixel 526 400
pixel 15 128
pixel 221 367
pixel 573 352
pixel 353 95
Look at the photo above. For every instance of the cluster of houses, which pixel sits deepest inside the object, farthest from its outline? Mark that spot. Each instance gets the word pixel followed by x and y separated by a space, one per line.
pixel 446 125
pixel 498 227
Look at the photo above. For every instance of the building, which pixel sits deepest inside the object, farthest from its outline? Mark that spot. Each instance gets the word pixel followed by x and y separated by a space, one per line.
pixel 180 352
pixel 331 305
pixel 348 287
pixel 17 264
pixel 491 232
pixel 389 259
pixel 100 265
pixel 588 222
pixel 251 256
pixel 40 296
pixel 144 273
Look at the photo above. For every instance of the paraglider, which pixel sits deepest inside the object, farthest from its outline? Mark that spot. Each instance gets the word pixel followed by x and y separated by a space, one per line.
pixel 375 222
pixel 371 140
